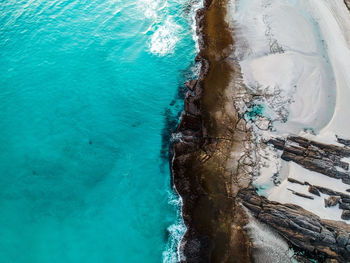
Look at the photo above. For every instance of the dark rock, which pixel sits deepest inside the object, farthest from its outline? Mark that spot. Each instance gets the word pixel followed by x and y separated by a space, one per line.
pixel 189 122
pixel 277 143
pixel 294 181
pixel 300 140
pixel 331 201
pixel 348 248
pixel 342 239
pixel 303 195
pixel 328 191
pixel 343 165
pixel 346 179
pixel 295 150
pixel 302 228
pixel 318 157
pixel 344 206
pixel 345 215
pixel 313 190
pixel 345 200
pixel 254 208
pixel 191 84
pixel 343 141
pixel 329 238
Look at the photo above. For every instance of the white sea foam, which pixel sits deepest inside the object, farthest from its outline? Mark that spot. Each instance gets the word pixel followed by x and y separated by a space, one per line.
pixel 173 253
pixel 150 8
pixel 176 232
pixel 165 38
pixel 197 5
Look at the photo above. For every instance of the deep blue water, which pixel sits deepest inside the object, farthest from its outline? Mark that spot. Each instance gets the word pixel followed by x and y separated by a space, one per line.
pixel 86 91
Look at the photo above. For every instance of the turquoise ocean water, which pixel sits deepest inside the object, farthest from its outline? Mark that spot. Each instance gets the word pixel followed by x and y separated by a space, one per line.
pixel 88 92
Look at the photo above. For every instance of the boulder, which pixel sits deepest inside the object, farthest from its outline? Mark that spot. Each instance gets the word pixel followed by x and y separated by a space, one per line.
pixel 332 201
pixel 345 215
pixel 344 206
pixel 342 239
pixel 313 190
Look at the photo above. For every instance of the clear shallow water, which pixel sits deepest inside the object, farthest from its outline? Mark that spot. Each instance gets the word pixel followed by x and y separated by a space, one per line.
pixel 86 89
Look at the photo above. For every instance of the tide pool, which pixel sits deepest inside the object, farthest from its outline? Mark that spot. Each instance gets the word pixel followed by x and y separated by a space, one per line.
pixel 89 91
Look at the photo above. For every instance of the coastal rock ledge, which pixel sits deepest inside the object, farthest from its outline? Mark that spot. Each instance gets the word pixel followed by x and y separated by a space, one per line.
pixel 326 238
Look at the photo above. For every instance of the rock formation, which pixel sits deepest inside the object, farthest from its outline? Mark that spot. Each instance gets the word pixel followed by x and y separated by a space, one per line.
pixel 325 238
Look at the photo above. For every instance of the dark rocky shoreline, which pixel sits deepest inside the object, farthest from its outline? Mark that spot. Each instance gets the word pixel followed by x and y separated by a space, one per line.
pixel 197 165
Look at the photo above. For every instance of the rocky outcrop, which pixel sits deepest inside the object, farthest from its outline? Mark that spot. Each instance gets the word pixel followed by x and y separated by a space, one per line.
pixel 332 200
pixel 322 158
pixel 325 238
pixel 334 197
pixel 315 156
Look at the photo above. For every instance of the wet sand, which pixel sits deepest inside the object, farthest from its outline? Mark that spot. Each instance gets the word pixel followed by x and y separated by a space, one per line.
pixel 210 138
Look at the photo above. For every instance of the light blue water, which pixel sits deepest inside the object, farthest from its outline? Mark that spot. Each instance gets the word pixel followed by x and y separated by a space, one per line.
pixel 85 94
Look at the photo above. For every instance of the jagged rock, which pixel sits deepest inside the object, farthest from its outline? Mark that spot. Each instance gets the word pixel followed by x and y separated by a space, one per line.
pixel 345 200
pixel 331 201
pixel 346 180
pixel 343 141
pixel 300 227
pixel 329 239
pixel 344 206
pixel 190 122
pixel 294 181
pixel 342 239
pixel 345 215
pixel 191 84
pixel 348 248
pixel 313 190
pixel 303 195
pixel 318 157
pixel 343 165
pixel 328 191
pixel 277 143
